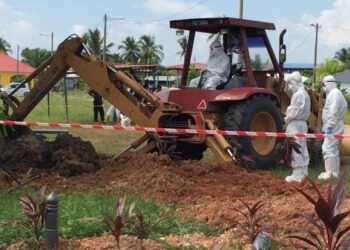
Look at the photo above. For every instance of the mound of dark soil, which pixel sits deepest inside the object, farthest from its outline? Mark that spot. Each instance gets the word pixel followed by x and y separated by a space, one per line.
pixel 67 155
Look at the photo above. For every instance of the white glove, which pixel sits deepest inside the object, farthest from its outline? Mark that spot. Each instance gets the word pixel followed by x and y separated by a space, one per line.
pixel 286 120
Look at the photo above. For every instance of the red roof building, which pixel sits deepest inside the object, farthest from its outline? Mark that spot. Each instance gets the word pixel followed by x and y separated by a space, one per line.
pixel 197 66
pixel 9 67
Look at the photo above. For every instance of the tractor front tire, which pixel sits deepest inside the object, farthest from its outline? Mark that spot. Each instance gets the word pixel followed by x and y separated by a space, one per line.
pixel 259 113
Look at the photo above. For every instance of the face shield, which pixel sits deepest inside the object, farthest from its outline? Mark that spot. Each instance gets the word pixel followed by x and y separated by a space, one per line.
pixel 214 48
pixel 328 83
pixel 294 81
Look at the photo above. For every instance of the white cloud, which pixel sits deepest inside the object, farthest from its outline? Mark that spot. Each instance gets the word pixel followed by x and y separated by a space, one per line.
pixel 333 33
pixel 16 27
pixel 78 29
pixel 335 24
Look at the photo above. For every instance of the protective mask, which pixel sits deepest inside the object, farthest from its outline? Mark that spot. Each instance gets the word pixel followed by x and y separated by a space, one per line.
pixel 211 52
pixel 326 89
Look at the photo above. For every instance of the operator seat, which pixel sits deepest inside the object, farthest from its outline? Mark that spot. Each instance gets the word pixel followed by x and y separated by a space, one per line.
pixel 234 79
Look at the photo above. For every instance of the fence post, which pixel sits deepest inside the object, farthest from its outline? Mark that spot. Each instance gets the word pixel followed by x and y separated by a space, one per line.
pixel 51 221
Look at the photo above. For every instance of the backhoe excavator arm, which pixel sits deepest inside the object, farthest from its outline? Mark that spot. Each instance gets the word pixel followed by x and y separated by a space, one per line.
pixel 115 86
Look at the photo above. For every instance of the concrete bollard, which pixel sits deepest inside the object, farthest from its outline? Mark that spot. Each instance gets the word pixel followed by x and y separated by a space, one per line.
pixel 262 241
pixel 51 221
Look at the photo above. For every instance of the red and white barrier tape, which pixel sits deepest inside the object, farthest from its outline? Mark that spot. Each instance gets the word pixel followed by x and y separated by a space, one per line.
pixel 175 130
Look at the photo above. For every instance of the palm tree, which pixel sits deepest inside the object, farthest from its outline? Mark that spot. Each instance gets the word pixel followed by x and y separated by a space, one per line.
pixel 35 57
pixel 5 47
pixel 151 53
pixel 130 50
pixel 182 41
pixel 115 58
pixel 95 42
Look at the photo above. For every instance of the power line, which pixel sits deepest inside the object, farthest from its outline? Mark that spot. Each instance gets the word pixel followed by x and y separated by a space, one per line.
pixel 179 13
pixel 301 43
pixel 307 26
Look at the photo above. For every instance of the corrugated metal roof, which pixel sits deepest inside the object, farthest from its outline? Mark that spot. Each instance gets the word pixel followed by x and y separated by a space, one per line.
pixel 181 66
pixel 343 77
pixel 8 63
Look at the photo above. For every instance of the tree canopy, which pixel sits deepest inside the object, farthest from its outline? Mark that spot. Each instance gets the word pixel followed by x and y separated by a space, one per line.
pixel 5 47
pixel 145 50
pixel 35 57
pixel 130 50
pixel 329 67
pixel 182 41
pixel 94 40
pixel 343 55
pixel 151 53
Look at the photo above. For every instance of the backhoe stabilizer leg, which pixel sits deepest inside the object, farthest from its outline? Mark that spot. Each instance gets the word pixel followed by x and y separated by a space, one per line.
pixel 219 145
pixel 133 145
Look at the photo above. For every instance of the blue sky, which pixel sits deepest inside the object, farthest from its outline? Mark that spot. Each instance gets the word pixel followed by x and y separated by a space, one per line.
pixel 21 21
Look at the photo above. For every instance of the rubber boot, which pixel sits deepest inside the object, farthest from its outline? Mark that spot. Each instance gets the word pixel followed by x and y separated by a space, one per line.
pixel 331 165
pixel 299 173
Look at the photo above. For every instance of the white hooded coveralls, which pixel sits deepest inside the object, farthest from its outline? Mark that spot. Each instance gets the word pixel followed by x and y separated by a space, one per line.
pixel 112 111
pixel 333 112
pixel 216 70
pixel 332 117
pixel 296 116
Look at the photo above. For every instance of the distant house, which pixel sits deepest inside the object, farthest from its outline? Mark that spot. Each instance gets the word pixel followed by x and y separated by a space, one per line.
pixel 9 67
pixel 344 79
pixel 168 81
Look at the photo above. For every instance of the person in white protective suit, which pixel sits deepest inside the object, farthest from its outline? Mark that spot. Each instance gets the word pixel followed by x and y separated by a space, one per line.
pixel 125 121
pixel 113 113
pixel 296 115
pixel 216 70
pixel 333 112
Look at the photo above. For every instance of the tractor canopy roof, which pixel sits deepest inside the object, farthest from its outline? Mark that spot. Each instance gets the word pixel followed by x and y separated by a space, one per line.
pixel 215 25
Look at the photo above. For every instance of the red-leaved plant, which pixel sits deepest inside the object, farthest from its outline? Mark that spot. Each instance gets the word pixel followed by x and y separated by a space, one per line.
pixel 328 232
pixel 120 219
pixel 253 216
pixel 35 210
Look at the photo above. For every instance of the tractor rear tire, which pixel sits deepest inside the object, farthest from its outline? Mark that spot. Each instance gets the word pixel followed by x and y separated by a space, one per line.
pixel 258 113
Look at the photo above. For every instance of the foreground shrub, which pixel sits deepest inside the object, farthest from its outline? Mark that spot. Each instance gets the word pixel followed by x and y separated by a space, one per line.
pixel 120 219
pixel 327 232
pixel 35 210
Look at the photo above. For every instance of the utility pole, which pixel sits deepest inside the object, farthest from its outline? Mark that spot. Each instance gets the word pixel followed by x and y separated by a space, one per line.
pixel 104 37
pixel 17 69
pixel 51 43
pixel 240 9
pixel 315 55
pixel 48 94
pixel 105 18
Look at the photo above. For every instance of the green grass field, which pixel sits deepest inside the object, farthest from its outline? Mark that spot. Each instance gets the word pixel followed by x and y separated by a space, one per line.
pixel 81 215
